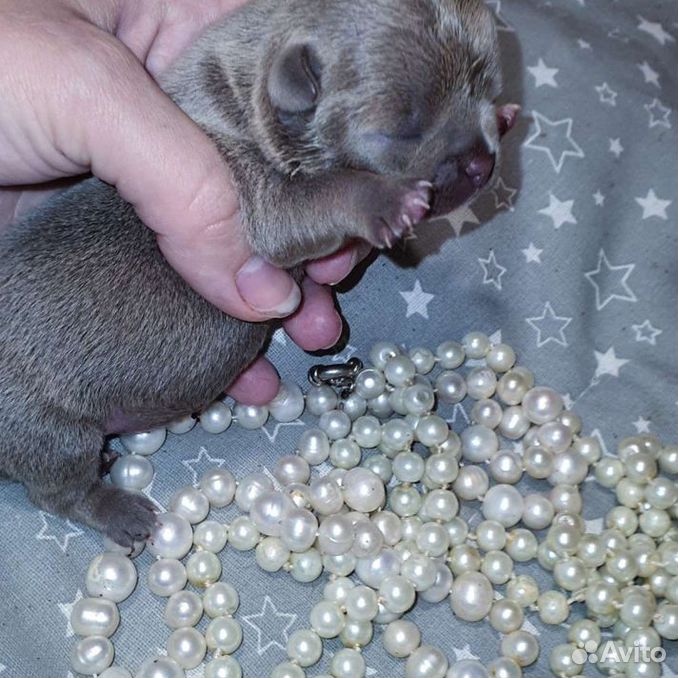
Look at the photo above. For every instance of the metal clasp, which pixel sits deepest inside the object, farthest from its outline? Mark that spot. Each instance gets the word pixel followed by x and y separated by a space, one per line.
pixel 341 375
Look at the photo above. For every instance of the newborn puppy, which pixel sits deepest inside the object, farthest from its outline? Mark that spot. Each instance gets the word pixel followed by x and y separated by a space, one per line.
pixel 340 119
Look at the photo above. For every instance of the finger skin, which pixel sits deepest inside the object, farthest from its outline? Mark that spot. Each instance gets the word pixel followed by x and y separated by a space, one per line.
pixel 257 385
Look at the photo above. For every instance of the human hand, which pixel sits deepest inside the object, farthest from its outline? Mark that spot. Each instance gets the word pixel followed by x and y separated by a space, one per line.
pixel 78 97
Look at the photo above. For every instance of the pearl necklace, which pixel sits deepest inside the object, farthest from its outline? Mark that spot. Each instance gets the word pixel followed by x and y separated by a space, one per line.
pixel 420 547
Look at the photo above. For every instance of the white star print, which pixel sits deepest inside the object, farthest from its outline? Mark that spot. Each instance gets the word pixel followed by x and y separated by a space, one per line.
pixel 66 609
pixel 464 653
pixel 272 428
pixel 667 672
pixel 503 195
pixel 601 441
pixel 583 44
pixel 599 198
pixel 662 112
pixel 606 94
pixel 614 278
pixel 549 326
pixel 618 34
pixel 653 206
pixel 203 462
pixel 57 529
pixel 560 211
pixel 567 400
pixel 608 363
pixel 656 30
pixel 532 254
pixel 417 301
pixel 594 526
pixel 461 216
pixel 645 332
pixel 276 634
pixel 492 271
pixel 345 355
pixel 649 74
pixel 642 425
pixel 458 412
pixel 550 135
pixel 615 147
pixel 543 75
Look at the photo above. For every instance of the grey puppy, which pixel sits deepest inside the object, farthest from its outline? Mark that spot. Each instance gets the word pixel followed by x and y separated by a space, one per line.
pixel 340 119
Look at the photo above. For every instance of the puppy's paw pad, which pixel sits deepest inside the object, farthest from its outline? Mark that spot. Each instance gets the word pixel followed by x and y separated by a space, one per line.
pixel 126 517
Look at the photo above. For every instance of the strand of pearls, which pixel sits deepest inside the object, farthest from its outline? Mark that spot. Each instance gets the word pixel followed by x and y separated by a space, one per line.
pixel 391 520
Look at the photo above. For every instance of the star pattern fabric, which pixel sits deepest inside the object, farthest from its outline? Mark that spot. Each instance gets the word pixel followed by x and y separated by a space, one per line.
pixel 569 257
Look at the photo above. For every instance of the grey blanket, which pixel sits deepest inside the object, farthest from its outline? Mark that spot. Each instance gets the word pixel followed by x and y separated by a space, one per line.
pixel 571 259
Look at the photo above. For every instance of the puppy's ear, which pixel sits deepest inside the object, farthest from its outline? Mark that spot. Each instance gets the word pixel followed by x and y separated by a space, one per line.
pixel 294 80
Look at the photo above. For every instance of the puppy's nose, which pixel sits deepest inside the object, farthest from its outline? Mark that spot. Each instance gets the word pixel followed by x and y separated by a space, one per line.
pixel 478 166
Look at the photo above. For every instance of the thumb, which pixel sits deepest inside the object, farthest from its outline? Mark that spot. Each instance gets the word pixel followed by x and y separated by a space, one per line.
pixel 134 137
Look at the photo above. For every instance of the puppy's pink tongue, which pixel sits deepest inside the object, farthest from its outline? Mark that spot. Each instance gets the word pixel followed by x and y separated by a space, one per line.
pixel 506 117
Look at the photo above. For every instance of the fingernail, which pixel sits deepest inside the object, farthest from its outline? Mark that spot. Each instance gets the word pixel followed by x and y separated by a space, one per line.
pixel 267 289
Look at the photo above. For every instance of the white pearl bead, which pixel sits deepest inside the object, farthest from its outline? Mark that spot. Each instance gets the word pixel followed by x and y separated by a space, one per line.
pixel 568 469
pixel 441 586
pixel 497 566
pixel 166 576
pixel 464 558
pixel 182 425
pixel 356 634
pixel 370 384
pixel 160 667
pixel 271 554
pixel 203 569
pixel 401 638
pixel 223 634
pixel 467 668
pixel 553 607
pixel 326 619
pixel 506 467
pixel 389 525
pixel 250 417
pixel 523 589
pixel 367 431
pixel 363 490
pixel 666 621
pixel 287 670
pixel 268 512
pixel 111 576
pixel 335 535
pixel 243 534
pixel 340 566
pixel 451 387
pixel 220 600
pixel 183 609
pixel 431 430
pixel 381 465
pixel 354 406
pixel 423 359
pixel 396 435
pixel 304 647
pixel 95 617
pixel 372 571
pixel 335 423
pixel 361 603
pixel 298 529
pixel 132 472
pixel 471 483
pixel 556 437
pixel 187 647
pixel 308 566
pixel 562 663
pixel 490 535
pixel 481 383
pixel 408 467
pixel 145 443
pixel 210 536
pixel 216 418
pixel 512 387
pixel 450 354
pixel 538 512
pixel 380 406
pixel 314 446
pixel 251 487
pixel 503 504
pixel 325 496
pixel 399 370
pixel 479 443
pixel 514 422
pixel 501 358
pixel 420 571
pixel 506 616
pixel 190 503
pixel 347 663
pixel 223 667
pixel 368 539
pixel 397 593
pixel 487 412
pixel 441 468
pixel 538 462
pixel 218 485
pixel 288 403
pixel 542 404
pixel 345 454
pixel 419 399
pixel 115 672
pixel 92 655
pixel 520 646
pixel 471 596
pixel 426 662
pixel 476 345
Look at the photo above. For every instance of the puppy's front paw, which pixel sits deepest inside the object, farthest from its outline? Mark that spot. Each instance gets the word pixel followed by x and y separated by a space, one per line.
pixel 123 516
pixel 396 209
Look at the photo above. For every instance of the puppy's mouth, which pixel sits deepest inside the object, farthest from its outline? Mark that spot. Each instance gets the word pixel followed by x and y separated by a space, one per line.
pixel 458 180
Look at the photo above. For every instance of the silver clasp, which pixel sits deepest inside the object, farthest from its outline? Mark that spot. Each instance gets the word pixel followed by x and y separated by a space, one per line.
pixel 341 375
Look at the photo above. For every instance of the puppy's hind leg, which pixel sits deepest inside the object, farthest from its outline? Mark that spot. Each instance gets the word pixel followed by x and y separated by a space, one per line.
pixel 60 465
